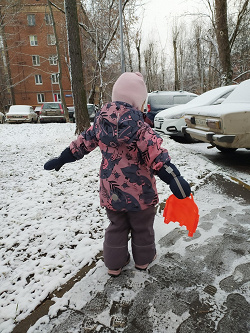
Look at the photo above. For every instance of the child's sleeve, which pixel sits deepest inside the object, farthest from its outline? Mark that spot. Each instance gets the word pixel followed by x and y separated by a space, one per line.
pixel 149 147
pixel 157 158
pixel 84 144
pixel 178 185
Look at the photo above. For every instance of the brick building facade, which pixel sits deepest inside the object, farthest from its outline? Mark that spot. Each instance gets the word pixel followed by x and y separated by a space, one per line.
pixel 32 54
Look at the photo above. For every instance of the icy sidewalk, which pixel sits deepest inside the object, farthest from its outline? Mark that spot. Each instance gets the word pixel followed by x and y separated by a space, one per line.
pixel 198 284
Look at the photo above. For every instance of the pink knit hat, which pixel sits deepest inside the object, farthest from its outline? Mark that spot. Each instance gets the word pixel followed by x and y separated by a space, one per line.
pixel 130 88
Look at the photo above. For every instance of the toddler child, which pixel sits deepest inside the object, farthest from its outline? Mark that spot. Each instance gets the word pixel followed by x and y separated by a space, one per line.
pixel 131 157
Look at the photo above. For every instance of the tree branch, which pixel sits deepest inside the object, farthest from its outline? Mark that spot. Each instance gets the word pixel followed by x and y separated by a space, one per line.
pixel 238 23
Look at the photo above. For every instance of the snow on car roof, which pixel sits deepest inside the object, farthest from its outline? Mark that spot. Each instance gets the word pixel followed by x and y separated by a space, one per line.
pixel 204 99
pixel 237 101
pixel 218 110
pixel 241 94
pixel 19 108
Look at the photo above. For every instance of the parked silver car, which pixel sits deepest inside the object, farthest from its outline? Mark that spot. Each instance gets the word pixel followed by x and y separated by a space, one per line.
pixel 225 126
pixel 71 111
pixel 161 100
pixel 91 111
pixel 21 114
pixel 52 112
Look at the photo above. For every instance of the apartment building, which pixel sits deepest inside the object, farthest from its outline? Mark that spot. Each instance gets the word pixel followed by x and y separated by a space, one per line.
pixel 30 42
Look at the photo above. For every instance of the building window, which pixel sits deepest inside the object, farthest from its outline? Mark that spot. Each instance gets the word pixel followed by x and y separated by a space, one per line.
pixel 53 60
pixel 40 98
pixel 31 19
pixel 55 78
pixel 51 39
pixel 36 60
pixel 48 19
pixel 57 97
pixel 33 40
pixel 38 79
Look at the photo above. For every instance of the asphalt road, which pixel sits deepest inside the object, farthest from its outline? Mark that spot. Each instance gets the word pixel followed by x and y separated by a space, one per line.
pixel 239 160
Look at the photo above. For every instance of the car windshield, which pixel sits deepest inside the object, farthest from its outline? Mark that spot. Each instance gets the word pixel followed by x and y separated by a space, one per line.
pixel 19 109
pixel 240 94
pixel 206 97
pixel 51 106
pixel 157 100
pixel 180 99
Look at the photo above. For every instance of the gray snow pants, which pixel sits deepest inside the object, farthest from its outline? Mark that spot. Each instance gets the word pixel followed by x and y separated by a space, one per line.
pixel 115 247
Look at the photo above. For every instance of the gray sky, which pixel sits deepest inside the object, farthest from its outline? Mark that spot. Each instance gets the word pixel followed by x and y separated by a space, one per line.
pixel 159 16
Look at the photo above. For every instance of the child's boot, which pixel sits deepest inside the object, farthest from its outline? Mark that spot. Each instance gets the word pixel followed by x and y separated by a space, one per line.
pixel 144 267
pixel 117 272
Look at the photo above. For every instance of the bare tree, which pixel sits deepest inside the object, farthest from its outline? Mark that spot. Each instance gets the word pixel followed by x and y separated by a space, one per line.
pixel 240 50
pixel 59 64
pixel 128 45
pixel 77 82
pixel 10 9
pixel 102 34
pixel 199 57
pixel 138 41
pixel 162 77
pixel 97 37
pixel 151 66
pixel 132 35
pixel 176 75
pixel 225 41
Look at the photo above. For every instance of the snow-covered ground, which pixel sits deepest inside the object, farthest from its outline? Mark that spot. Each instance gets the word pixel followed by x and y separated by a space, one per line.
pixel 51 222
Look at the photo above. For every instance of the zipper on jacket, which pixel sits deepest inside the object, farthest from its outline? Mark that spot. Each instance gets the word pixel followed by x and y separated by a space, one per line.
pixel 118 117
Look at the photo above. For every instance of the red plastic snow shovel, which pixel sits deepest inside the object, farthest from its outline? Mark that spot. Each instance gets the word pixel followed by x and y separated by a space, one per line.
pixel 184 211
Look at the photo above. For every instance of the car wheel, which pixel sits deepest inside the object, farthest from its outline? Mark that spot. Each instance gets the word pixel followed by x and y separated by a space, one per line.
pixel 225 150
pixel 184 139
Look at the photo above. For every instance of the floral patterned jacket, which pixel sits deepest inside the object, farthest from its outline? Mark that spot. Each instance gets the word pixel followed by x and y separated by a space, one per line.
pixel 131 154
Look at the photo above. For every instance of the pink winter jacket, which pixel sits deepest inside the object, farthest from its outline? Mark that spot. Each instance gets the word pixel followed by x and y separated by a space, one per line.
pixel 131 153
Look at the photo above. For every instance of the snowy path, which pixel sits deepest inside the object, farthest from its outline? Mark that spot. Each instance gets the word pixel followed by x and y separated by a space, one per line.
pixel 51 222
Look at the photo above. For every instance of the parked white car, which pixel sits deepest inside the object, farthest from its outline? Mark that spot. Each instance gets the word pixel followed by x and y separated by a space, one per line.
pixel 21 114
pixel 171 121
pixel 225 126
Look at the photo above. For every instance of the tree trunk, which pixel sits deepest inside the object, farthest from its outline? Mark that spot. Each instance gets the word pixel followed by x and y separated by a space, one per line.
pixel 138 49
pixel 176 77
pixel 127 43
pixel 6 58
pixel 77 82
pixel 59 65
pixel 223 41
pixel 93 86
